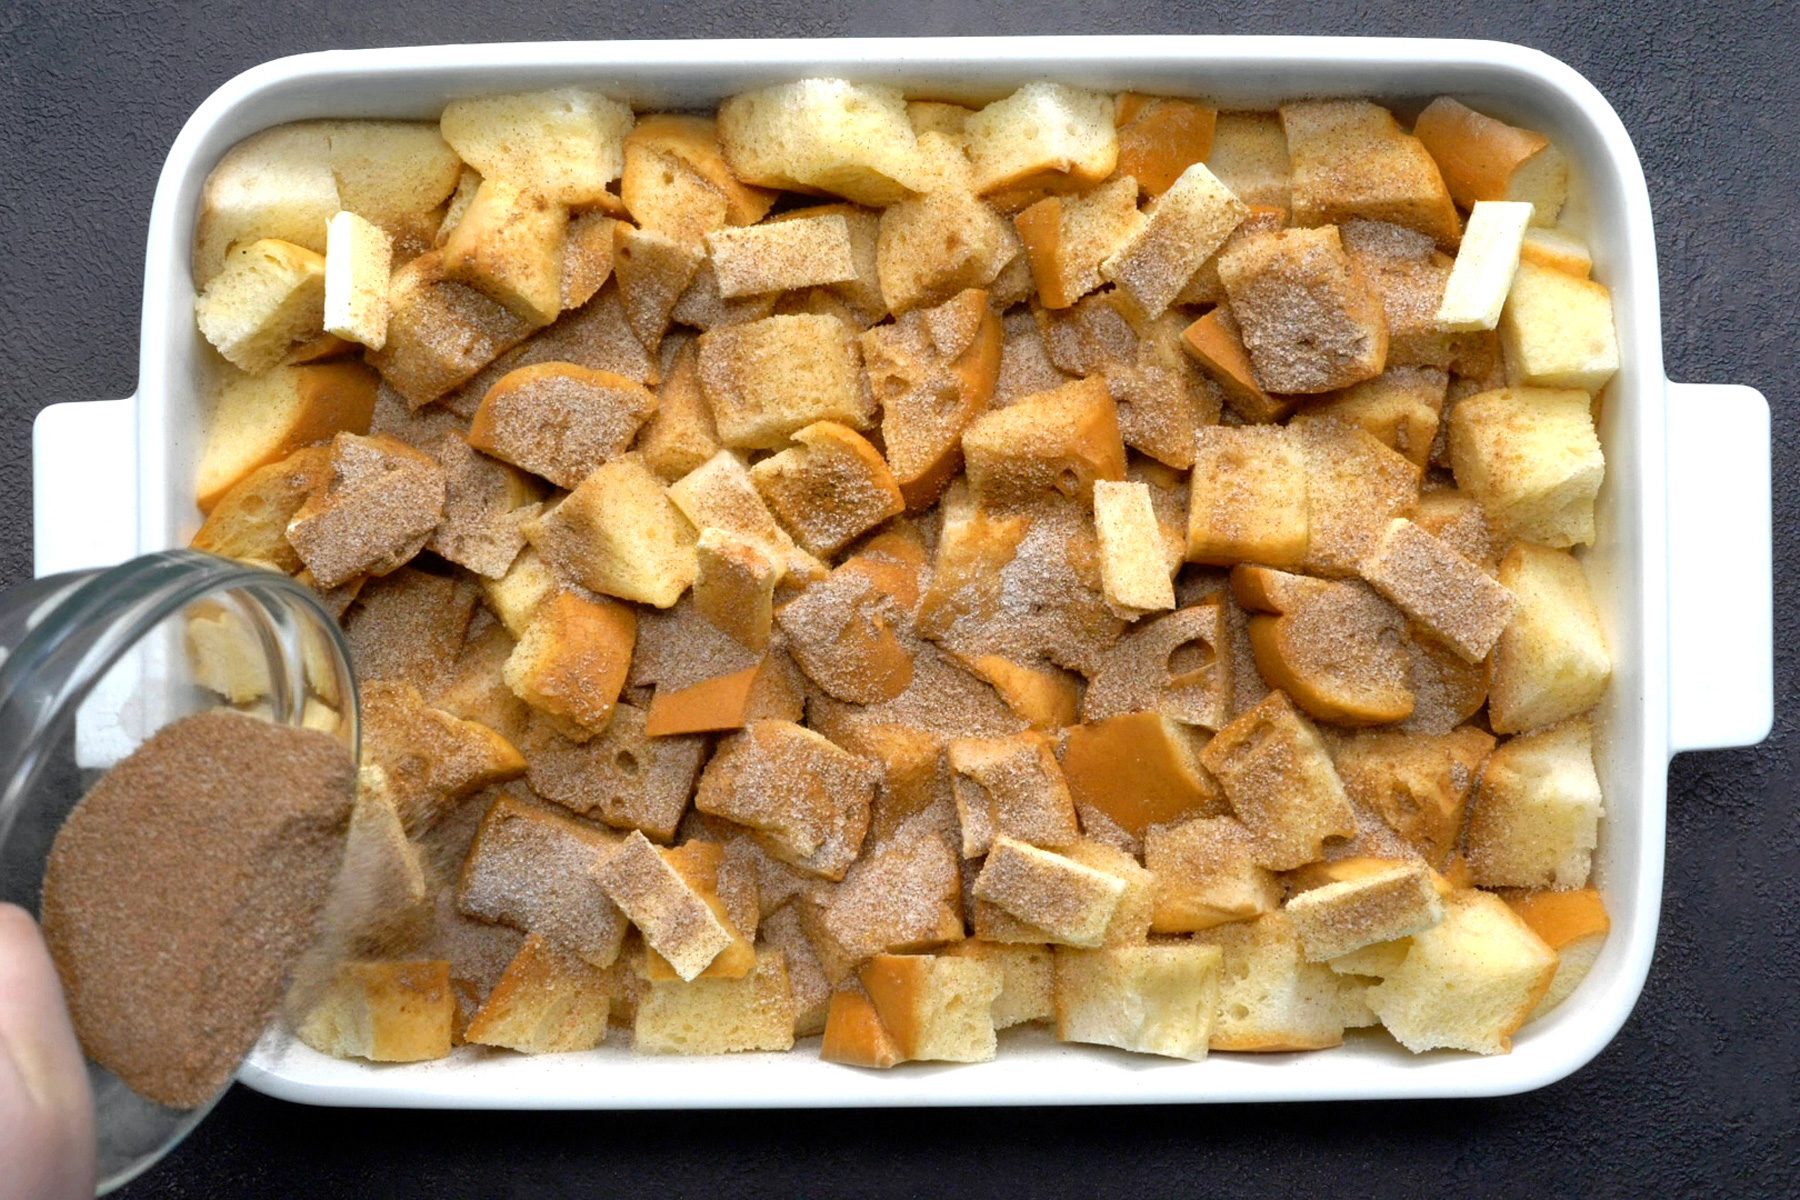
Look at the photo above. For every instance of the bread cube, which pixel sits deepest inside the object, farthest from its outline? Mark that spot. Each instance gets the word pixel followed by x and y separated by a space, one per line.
pixel 1010 786
pixel 694 142
pixel 1536 812
pixel 1155 999
pixel 619 534
pixel 679 435
pixel 675 921
pixel 249 521
pixel 905 896
pixel 1044 697
pixel 563 143
pixel 1399 408
pixel 409 627
pixel 1172 664
pixel 1485 159
pixel 383 1011
pixel 667 196
pixel 1250 156
pixel 854 1034
pixel 1277 774
pixel 932 371
pixel 1451 597
pixel 654 271
pixel 769 689
pixel 1140 769
pixel 1130 924
pixel 486 507
pixel 1133 572
pixel 1336 648
pixel 429 759
pixel 935 1007
pixel 1308 318
pixel 1027 976
pixel 509 246
pixel 570 663
pixel 1408 275
pixel 269 295
pixel 1160 137
pixel 829 489
pixel 945 242
pixel 1530 458
pixel 718 1016
pixel 548 1002
pixel 807 800
pixel 1215 343
pixel 624 776
pixel 1351 159
pixel 1468 982
pixel 516 594
pixel 1558 330
pixel 1455 519
pixel 536 870
pixel 1486 262
pixel 734 586
pixel 824 135
pixel 841 633
pixel 1342 917
pixel 1206 874
pixel 1418 783
pixel 781 255
pixel 1069 902
pixel 721 493
pixel 1572 923
pixel 1558 250
pixel 768 378
pixel 1271 999
pixel 441 332
pixel 1067 239
pixel 1182 228
pixel 1043 135
pixel 380 896
pixel 1354 486
pixel 383 503
pixel 1059 441
pixel 277 184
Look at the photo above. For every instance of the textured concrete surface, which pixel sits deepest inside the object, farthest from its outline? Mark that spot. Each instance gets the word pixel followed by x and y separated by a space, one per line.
pixel 1699 1095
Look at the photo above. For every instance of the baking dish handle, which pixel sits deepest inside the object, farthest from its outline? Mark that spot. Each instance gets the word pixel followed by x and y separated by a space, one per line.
pixel 1721 638
pixel 84 510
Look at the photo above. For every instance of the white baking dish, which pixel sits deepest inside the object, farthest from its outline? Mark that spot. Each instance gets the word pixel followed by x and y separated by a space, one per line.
pixel 1686 503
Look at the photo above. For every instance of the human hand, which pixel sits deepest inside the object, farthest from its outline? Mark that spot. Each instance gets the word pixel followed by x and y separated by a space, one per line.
pixel 46 1114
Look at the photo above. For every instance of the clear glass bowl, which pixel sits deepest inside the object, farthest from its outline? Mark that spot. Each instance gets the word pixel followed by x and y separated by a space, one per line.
pixel 94 662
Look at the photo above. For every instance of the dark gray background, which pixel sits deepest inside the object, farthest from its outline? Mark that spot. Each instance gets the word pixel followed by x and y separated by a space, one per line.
pixel 1700 1094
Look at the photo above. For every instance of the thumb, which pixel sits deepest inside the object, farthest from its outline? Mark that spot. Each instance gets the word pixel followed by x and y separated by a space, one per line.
pixel 46 1113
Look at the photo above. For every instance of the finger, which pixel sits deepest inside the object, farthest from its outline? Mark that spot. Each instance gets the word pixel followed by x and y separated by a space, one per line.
pixel 41 1062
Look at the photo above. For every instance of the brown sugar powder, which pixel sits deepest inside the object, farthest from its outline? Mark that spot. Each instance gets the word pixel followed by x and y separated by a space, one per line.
pixel 183 889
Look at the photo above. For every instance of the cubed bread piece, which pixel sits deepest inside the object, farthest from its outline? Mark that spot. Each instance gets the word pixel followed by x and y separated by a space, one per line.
pixel 1536 813
pixel 514 596
pixel 719 1016
pixel 828 489
pixel 1354 486
pixel 619 533
pixel 904 896
pixel 841 633
pixel 509 246
pixel 536 870
pixel 1351 159
pixel 1551 662
pixel 1557 249
pixel 1418 783
pixel 1140 769
pixel 768 378
pixel 1071 903
pixel 824 135
pixel 381 896
pixel 1468 982
pixel 274 184
pixel 1399 408
pixel 665 195
pixel 587 257
pixel 1206 874
pixel 1045 697
pixel 653 271
pixel 854 1034
pixel 675 921
pixel 409 627
pixel 694 140
pixel 563 143
pixel 1010 786
pixel 727 883
pixel 1174 664
pixel 1451 597
pixel 1044 135
pixel 936 1007
pixel 269 295
pixel 1456 519
pixel 1130 924
pixel 1308 318
pixel 1067 238
pixel 548 1002
pixel 1182 228
pixel 703 308
pixel 1214 342
pixel 929 249
pixel 1558 330
pixel 475 688
pixel 486 507
pixel 383 503
pixel 932 371
pixel 1485 264
pixel 1133 570
pixel 1270 998
pixel 768 689
pixel 1160 137
pixel 1485 159
pixel 1336 648
pixel 1250 156
pixel 1154 999
pixel 807 800
pixel 721 494
pixel 1342 917
pixel 679 435
pixel 1277 774
pixel 1407 274
pixel 1058 441
pixel 1531 459
pixel 429 759
pixel 860 292
pixel 261 419
pixel 1572 923
pixel 734 586
pixel 781 255
pixel 1027 976
pixel 570 663
pixel 440 333
pixel 383 1011
pixel 250 520
pixel 624 777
